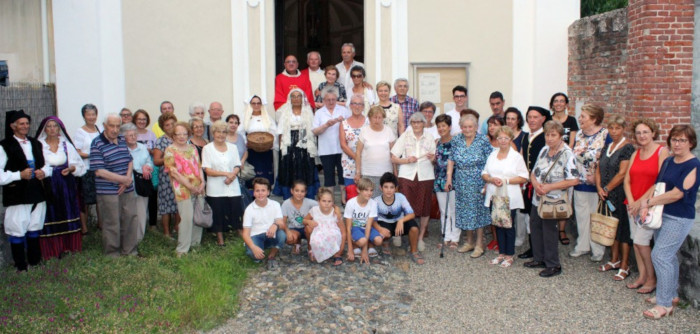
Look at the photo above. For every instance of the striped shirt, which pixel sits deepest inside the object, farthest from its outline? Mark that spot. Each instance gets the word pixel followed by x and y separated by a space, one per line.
pixel 408 107
pixel 112 157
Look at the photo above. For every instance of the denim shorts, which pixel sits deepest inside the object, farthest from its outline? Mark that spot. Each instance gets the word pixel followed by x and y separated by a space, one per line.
pixel 302 234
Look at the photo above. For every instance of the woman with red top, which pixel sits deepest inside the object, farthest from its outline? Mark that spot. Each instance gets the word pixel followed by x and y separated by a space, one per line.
pixel 639 180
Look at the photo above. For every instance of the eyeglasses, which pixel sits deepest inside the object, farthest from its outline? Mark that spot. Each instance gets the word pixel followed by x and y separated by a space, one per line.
pixel 296 96
pixel 290 62
pixel 355 76
pixel 503 138
pixel 182 134
pixel 198 127
pixel 679 140
pixel 256 103
pixel 459 96
pixel 125 115
pixel 356 104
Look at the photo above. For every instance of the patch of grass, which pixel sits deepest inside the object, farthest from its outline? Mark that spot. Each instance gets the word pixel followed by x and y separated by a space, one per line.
pixel 90 293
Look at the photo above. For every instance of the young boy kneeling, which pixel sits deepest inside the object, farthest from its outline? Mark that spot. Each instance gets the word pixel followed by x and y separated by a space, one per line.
pixel 395 216
pixel 360 214
pixel 263 226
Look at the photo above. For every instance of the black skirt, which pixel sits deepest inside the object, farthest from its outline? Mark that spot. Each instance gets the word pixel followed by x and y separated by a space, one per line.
pixel 227 213
pixel 297 164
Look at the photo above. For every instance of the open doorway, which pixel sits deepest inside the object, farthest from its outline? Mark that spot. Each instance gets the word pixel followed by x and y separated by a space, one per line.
pixel 318 25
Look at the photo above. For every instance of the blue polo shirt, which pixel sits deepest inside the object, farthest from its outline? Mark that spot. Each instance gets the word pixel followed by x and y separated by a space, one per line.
pixel 111 157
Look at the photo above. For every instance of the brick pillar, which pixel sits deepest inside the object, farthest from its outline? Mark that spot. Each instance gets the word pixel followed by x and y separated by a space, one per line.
pixel 660 61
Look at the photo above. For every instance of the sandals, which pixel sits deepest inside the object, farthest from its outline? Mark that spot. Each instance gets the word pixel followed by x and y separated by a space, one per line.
pixel 296 249
pixel 417 258
pixel 507 262
pixel 498 259
pixel 337 261
pixel 453 245
pixel 645 291
pixel 565 240
pixel 634 285
pixel 654 313
pixel 652 300
pixel 311 256
pixel 621 274
pixel 610 266
pixel 386 250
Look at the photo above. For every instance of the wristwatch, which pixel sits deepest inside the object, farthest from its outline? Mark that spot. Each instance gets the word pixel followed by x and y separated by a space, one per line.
pixel 606 189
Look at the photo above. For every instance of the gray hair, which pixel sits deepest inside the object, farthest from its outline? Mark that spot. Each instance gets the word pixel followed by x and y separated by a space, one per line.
pixel 468 117
pixel 112 114
pixel 196 105
pixel 361 97
pixel 312 52
pixel 126 127
pixel 418 116
pixel 329 90
pixel 396 82
pixel 348 44
pixel 219 126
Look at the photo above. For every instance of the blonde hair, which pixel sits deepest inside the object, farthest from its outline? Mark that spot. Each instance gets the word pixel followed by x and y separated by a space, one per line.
pixel 376 109
pixel 322 191
pixel 219 126
pixel 365 184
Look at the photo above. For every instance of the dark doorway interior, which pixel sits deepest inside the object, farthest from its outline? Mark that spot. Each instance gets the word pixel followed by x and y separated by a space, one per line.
pixel 318 25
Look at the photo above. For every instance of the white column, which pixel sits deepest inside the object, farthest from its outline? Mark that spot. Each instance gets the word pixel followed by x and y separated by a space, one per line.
pixel 89 58
pixel 399 40
pixel 240 62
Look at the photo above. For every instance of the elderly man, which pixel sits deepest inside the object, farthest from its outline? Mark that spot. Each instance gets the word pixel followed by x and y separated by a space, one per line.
pixel 314 71
pixel 289 79
pixel 22 171
pixel 126 115
pixel 347 52
pixel 216 110
pixel 165 106
pixel 408 104
pixel 496 102
pixel 326 126
pixel 111 161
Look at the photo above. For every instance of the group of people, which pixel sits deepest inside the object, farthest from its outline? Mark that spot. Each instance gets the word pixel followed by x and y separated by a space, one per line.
pixel 388 155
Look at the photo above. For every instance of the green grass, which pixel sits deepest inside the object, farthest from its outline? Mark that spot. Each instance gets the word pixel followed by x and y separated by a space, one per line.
pixel 90 293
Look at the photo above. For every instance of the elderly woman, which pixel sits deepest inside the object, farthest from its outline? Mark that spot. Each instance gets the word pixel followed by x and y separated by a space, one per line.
pixel 358 75
pixel 554 173
pixel 198 129
pixel 589 145
pixel 297 144
pixel 187 182
pixel 505 167
pixel 61 232
pixel 414 152
pixel 428 108
pixel 681 174
pixel 394 116
pixel 221 163
pixel 639 181
pixel 331 73
pixel 326 126
pixel 198 110
pixel 559 104
pixel 82 139
pixel 468 158
pixel 609 176
pixel 514 120
pixel 142 169
pixel 257 119
pixel 373 157
pixel 167 207
pixel 445 197
pixel 349 136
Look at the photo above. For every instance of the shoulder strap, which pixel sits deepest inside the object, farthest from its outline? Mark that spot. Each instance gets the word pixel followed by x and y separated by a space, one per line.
pixel 663 169
pixel 556 159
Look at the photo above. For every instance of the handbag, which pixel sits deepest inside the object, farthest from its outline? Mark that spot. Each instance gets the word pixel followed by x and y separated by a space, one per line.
pixel 652 221
pixel 603 226
pixel 142 186
pixel 247 172
pixel 500 208
pixel 203 216
pixel 554 208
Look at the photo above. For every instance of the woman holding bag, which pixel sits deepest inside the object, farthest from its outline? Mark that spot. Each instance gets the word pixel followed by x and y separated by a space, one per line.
pixel 505 170
pixel 554 174
pixel 681 176
pixel 614 161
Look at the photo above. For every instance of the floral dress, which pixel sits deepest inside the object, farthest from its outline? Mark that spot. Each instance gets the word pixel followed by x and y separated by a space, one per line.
pixel 392 117
pixel 587 151
pixel 442 155
pixel 186 162
pixel 166 197
pixel 326 238
pixel 352 135
pixel 469 161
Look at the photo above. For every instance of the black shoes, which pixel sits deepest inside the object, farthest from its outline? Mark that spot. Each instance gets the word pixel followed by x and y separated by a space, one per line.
pixel 526 255
pixel 549 272
pixel 534 264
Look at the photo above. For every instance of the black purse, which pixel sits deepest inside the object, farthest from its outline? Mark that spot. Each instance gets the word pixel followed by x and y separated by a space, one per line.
pixel 142 186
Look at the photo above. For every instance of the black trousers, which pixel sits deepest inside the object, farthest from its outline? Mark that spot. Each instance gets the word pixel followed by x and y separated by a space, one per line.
pixel 545 239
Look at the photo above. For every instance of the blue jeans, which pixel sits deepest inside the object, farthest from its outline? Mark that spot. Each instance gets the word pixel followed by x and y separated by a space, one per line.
pixel 667 241
pixel 261 240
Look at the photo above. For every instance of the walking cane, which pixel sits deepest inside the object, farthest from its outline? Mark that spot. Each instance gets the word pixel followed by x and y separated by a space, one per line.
pixel 444 225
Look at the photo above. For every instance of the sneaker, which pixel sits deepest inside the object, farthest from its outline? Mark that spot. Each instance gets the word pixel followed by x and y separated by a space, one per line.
pixel 421 246
pixel 373 252
pixel 576 253
pixel 396 241
pixel 357 251
pixel 271 264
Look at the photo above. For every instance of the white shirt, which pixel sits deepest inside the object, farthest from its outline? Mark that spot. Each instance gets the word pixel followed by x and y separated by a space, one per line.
pixel 329 140
pixel 376 158
pixel 259 219
pixel 360 214
pixel 221 162
pixel 344 75
pixel 59 158
pixel 431 130
pixel 82 141
pixel 409 146
pixel 455 129
pixel 513 165
pixel 7 177
pixel 316 77
pixel 533 135
pixel 257 125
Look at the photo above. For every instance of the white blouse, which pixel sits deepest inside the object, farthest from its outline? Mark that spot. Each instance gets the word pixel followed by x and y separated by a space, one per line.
pixel 59 158
pixel 222 162
pixel 512 166
pixel 82 140
pixel 409 146
pixel 257 125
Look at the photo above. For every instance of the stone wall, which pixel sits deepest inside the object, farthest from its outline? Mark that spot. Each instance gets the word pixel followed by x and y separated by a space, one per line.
pixel 638 61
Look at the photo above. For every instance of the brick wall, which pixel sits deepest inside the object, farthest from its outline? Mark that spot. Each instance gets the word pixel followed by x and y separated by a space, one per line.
pixel 637 61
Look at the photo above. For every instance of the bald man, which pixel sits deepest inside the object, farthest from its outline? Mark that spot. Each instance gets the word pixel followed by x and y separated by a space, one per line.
pixel 289 79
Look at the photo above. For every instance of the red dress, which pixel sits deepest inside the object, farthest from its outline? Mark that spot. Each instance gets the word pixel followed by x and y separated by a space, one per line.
pixel 643 174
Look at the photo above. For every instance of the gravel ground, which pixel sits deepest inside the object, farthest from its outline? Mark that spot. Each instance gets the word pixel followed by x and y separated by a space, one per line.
pixel 457 294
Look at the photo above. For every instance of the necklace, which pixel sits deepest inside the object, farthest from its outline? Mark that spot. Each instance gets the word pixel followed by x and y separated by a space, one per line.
pixel 609 153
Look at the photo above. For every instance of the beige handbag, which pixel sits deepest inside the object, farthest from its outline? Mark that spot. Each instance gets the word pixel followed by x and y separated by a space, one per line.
pixel 554 208
pixel 603 226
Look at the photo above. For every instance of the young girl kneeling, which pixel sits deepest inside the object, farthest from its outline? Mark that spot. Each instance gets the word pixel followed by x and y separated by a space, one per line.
pixel 325 225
